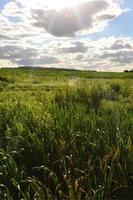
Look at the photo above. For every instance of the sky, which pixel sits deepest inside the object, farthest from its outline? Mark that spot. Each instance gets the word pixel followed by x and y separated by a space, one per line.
pixel 74 34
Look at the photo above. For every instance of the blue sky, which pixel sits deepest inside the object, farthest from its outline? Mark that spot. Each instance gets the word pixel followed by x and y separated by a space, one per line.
pixel 3 2
pixel 123 24
pixel 86 35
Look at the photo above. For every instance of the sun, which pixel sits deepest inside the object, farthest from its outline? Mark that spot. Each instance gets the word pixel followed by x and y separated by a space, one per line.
pixel 60 4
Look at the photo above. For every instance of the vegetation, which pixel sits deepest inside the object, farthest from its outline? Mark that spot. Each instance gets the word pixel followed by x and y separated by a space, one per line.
pixel 65 135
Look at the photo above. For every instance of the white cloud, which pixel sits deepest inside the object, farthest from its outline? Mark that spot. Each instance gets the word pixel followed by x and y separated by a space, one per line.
pixel 7 64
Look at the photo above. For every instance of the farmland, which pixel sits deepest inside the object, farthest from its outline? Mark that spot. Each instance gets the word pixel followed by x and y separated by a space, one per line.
pixel 65 135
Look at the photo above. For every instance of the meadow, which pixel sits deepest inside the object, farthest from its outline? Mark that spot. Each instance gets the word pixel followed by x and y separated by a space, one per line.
pixel 65 135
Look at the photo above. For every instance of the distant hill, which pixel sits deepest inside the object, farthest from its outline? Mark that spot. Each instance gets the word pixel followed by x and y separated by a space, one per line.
pixel 30 67
pixel 52 69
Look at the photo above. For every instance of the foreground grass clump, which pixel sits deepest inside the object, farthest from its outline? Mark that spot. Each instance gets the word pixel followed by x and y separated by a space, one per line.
pixel 65 141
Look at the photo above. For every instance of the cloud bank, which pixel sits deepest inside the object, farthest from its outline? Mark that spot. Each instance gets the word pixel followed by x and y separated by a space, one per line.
pixel 25 38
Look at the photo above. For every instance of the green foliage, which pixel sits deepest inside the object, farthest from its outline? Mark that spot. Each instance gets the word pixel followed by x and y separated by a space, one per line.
pixel 65 141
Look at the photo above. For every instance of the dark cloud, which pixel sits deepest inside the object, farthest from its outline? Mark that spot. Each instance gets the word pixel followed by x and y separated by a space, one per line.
pixel 107 17
pixel 46 60
pixel 79 57
pixel 123 59
pixel 69 20
pixel 25 56
pixel 121 45
pixel 122 56
pixel 78 48
pixel 14 52
pixel 4 37
pixel 121 52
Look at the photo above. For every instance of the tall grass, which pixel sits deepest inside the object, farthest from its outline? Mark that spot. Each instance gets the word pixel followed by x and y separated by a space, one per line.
pixel 66 143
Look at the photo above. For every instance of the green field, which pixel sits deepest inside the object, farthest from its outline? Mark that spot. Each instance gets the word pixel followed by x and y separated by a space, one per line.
pixel 65 135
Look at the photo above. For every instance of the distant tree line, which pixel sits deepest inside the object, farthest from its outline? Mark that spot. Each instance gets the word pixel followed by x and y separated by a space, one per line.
pixel 128 70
